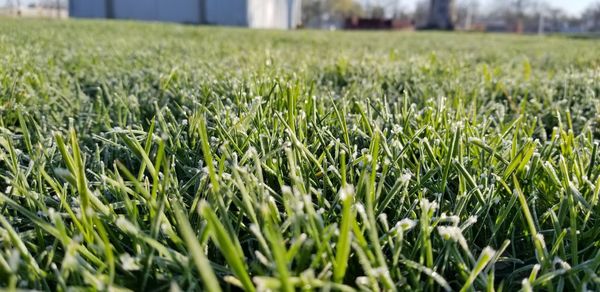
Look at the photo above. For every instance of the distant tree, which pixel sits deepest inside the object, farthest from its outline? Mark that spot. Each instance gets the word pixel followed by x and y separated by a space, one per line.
pixel 421 13
pixel 519 8
pixel 591 17
pixel 315 11
pixel 52 4
pixel 399 10
pixel 378 12
pixel 556 18
pixel 441 15
pixel 519 15
pixel 312 11
pixel 344 8
pixel 466 13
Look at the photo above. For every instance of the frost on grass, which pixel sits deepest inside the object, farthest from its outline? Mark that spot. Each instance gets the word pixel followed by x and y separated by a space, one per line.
pixel 319 163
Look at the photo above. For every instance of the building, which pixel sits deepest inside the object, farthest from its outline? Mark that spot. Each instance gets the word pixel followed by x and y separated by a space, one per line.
pixel 441 15
pixel 279 14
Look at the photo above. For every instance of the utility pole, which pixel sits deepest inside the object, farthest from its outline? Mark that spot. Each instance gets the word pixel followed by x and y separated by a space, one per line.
pixel 397 8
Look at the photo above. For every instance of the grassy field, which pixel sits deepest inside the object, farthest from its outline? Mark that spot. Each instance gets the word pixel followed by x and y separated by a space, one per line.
pixel 155 157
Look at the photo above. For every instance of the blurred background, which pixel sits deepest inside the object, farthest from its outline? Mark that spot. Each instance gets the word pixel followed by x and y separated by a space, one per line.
pixel 510 16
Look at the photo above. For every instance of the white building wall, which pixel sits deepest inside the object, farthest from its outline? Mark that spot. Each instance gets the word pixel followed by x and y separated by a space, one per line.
pixel 262 13
pixel 281 14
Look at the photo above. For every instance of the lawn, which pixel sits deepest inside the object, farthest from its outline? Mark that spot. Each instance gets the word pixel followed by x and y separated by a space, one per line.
pixel 157 156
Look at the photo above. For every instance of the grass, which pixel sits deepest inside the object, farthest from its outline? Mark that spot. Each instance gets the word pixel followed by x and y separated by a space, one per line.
pixel 156 157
